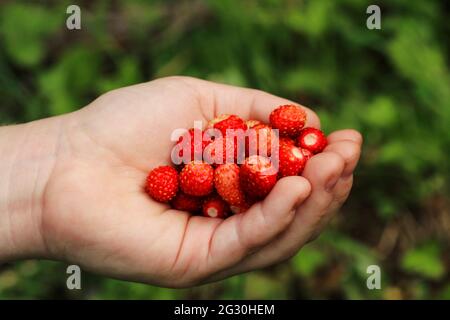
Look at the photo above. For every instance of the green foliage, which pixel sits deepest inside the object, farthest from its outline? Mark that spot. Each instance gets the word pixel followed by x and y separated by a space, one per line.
pixel 25 29
pixel 309 260
pixel 391 84
pixel 425 260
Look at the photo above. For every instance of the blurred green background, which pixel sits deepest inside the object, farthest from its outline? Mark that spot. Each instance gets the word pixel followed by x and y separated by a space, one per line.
pixel 391 84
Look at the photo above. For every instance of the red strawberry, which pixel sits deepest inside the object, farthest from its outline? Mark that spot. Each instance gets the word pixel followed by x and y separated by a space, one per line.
pixel 226 122
pixel 260 140
pixel 195 140
pixel 251 123
pixel 226 181
pixel 185 202
pixel 162 183
pixel 291 161
pixel 196 179
pixel 225 150
pixel 312 139
pixel 215 207
pixel 258 176
pixel 286 140
pixel 236 209
pixel 289 119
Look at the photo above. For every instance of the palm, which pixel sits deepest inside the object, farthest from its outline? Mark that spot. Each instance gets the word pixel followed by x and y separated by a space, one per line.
pixel 97 214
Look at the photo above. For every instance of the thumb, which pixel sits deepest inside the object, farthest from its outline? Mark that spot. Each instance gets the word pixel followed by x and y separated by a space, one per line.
pixel 244 233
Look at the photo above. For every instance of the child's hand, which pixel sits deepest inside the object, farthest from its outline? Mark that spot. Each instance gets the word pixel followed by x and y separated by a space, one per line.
pixel 95 213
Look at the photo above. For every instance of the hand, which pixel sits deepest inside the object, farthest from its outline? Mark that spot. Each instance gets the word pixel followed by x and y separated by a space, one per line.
pixel 95 213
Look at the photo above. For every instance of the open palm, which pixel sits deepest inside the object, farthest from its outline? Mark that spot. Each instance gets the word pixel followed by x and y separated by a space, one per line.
pixel 96 213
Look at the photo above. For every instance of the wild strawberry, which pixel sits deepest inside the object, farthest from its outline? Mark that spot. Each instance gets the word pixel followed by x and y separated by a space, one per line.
pixel 312 139
pixel 286 140
pixel 291 161
pixel 215 207
pixel 289 119
pixel 185 202
pixel 162 183
pixel 236 209
pixel 226 181
pixel 260 140
pixel 197 179
pixel 225 149
pixel 258 176
pixel 251 123
pixel 227 122
pixel 194 140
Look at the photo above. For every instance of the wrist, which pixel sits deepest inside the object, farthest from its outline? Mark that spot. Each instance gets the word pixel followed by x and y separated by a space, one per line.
pixel 27 157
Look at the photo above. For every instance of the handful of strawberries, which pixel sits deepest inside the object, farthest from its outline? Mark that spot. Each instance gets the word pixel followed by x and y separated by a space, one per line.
pixel 234 163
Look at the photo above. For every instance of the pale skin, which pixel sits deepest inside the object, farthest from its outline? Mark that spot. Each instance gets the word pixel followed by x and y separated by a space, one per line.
pixel 72 189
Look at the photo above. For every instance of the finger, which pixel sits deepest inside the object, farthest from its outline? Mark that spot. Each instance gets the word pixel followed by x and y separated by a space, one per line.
pixel 323 174
pixel 349 151
pixel 341 192
pixel 248 103
pixel 346 134
pixel 242 234
pixel 346 143
pixel 322 171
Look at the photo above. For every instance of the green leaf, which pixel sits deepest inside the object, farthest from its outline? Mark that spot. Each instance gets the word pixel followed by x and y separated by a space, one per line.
pixel 381 113
pixel 312 17
pixel 72 78
pixel 445 293
pixel 25 29
pixel 392 151
pixel 260 286
pixel 309 260
pixel 127 74
pixel 424 260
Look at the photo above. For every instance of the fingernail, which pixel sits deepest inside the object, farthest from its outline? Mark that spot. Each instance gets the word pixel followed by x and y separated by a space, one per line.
pixel 331 183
